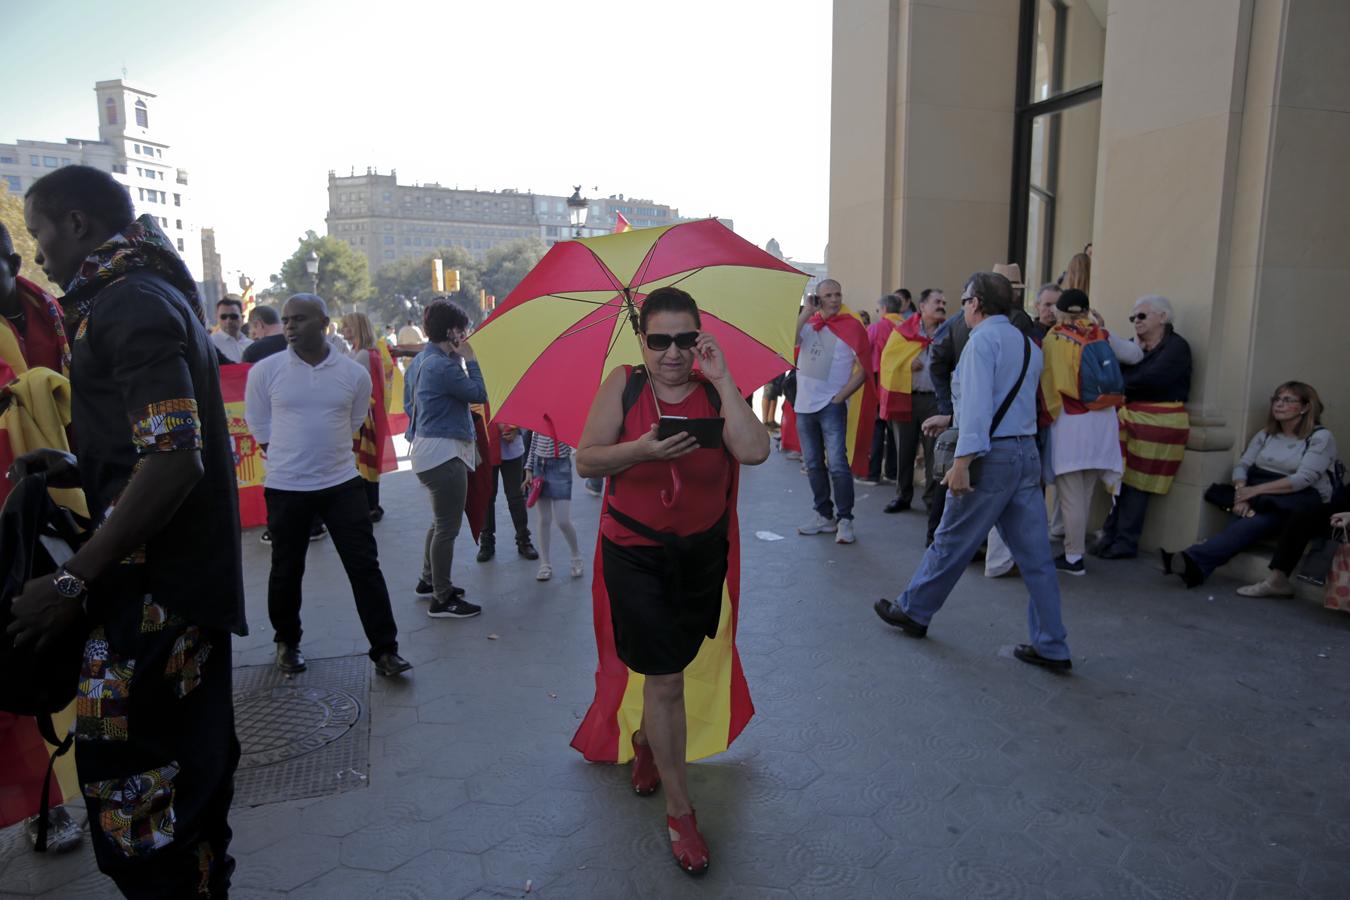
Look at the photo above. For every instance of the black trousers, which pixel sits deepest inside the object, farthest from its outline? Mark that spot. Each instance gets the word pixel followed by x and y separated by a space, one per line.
pixel 512 473
pixel 1304 526
pixel 346 512
pixel 909 437
pixel 882 460
pixel 155 751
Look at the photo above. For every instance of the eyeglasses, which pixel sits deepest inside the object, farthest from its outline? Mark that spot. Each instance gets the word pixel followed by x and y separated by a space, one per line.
pixel 1138 317
pixel 659 342
pixel 968 298
pixel 229 315
pixel 1285 401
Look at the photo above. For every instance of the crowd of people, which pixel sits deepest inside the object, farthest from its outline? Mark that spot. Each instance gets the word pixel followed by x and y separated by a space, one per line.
pixel 996 408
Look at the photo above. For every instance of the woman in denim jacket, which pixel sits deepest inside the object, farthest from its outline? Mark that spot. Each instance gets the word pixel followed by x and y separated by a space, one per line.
pixel 440 384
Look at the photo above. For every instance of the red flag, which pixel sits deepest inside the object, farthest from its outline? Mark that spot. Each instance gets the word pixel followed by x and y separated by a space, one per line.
pixel 621 224
pixel 249 468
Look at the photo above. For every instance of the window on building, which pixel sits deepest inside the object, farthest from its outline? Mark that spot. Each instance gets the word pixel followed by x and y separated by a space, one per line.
pixel 15 183
pixel 180 245
pixel 137 148
pixel 159 153
pixel 389 254
pixel 35 160
pixel 65 160
pixel 110 110
pixel 143 118
pixel 177 199
pixel 120 168
pixel 1057 125
pixel 163 222
pixel 11 160
pixel 389 239
pixel 178 223
pixel 49 162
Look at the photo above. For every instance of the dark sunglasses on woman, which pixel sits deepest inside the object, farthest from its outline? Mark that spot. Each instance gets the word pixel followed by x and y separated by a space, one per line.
pixel 685 340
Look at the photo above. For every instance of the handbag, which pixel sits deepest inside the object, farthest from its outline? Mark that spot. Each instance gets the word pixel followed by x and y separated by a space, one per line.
pixel 1224 496
pixel 944 448
pixel 1337 595
pixel 536 488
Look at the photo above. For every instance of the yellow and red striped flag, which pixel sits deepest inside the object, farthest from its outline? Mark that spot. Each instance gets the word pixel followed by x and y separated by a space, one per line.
pixel 621 224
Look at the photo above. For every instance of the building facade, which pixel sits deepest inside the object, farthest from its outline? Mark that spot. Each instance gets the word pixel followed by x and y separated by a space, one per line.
pixel 1199 146
pixel 387 221
pixel 129 146
pixel 213 275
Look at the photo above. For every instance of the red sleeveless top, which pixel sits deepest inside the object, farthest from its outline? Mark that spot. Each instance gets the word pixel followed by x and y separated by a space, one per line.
pixel 704 475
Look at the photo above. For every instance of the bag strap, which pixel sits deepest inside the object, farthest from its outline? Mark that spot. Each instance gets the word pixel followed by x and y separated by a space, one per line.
pixel 1012 395
pixel 48 731
pixel 637 380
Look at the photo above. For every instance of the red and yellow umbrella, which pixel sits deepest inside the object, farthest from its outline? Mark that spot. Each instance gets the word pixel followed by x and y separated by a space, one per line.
pixel 546 349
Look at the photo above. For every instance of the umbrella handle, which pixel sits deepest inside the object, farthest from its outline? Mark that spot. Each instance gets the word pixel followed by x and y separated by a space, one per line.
pixel 669 499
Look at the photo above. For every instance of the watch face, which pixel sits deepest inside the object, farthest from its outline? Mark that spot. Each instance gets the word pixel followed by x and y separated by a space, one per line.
pixel 68 585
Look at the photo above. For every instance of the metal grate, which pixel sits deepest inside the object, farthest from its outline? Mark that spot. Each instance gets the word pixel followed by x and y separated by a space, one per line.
pixel 307 735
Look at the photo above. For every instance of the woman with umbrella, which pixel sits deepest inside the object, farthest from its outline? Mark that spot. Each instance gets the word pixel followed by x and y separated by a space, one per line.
pixel 664 533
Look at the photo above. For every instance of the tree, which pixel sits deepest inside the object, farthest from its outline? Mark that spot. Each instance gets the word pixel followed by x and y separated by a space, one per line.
pixel 403 287
pixel 506 265
pixel 343 277
pixel 11 214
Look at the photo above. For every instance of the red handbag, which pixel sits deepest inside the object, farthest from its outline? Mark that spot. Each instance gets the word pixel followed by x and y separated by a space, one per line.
pixel 1337 594
pixel 536 488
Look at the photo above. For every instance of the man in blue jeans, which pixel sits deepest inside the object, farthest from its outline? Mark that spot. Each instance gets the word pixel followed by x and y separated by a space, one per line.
pixel 994 395
pixel 828 373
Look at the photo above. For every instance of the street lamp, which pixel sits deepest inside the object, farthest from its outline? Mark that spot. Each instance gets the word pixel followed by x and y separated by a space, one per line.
pixel 577 208
pixel 312 267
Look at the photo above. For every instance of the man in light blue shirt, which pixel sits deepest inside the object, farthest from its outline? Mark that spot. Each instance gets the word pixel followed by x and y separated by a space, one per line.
pixel 1007 490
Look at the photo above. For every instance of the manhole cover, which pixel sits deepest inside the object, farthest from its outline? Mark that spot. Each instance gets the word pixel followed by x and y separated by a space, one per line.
pixel 305 736
pixel 290 721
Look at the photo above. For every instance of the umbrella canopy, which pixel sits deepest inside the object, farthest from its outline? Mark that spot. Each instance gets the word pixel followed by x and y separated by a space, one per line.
pixel 546 349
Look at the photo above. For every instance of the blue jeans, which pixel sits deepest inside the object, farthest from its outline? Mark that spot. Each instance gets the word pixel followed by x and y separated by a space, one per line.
pixel 1237 535
pixel 1008 495
pixel 823 435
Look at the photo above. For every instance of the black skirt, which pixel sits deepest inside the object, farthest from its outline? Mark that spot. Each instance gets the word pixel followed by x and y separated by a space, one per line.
pixel 663 601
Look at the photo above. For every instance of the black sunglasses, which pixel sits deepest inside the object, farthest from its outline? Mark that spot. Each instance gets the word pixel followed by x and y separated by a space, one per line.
pixel 229 315
pixel 685 340
pixel 1138 317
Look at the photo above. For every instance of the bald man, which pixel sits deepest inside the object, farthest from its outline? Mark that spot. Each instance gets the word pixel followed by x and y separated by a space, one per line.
pixel 304 406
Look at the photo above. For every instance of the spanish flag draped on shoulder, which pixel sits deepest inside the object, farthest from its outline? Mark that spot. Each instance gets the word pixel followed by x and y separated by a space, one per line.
pixel 896 377
pixel 1081 372
pixel 862 410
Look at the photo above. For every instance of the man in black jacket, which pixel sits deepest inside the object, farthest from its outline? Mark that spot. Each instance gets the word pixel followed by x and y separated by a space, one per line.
pixel 161 581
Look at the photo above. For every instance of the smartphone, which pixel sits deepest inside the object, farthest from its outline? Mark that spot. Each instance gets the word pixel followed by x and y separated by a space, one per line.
pixel 708 432
pixel 813 299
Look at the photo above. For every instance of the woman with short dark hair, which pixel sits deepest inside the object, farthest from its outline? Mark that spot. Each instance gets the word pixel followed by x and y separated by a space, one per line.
pixel 440 384
pixel 666 533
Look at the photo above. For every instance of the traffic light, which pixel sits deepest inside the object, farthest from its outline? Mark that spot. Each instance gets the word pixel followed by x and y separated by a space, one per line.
pixel 437 275
pixel 452 281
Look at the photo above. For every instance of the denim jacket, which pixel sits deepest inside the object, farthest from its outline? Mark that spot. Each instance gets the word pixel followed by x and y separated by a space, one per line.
pixel 437 393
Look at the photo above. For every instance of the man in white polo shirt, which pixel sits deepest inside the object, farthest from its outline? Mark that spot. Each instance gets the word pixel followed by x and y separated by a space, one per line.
pixel 303 407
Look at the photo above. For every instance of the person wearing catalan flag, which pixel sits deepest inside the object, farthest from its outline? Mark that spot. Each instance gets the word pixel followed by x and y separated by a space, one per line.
pixel 1154 426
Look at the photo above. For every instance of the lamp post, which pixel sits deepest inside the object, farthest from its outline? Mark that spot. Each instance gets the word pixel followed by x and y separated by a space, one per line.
pixel 577 208
pixel 312 267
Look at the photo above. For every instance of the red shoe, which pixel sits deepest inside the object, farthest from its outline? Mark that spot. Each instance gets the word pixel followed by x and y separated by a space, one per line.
pixel 688 846
pixel 646 779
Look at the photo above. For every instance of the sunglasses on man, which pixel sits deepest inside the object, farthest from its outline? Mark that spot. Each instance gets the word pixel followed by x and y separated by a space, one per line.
pixel 229 315
pixel 685 340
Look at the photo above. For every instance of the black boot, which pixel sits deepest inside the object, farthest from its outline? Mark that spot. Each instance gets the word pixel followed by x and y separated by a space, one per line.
pixel 486 549
pixel 525 548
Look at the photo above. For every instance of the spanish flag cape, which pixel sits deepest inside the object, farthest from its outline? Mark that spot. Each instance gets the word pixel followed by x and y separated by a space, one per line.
pixel 862 406
pixel 896 378
pixel 374 444
pixel 717 702
pixel 1063 350
pixel 38 416
pixel 249 467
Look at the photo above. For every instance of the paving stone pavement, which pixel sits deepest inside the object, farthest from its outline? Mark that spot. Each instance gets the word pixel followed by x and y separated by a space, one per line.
pixel 1198 750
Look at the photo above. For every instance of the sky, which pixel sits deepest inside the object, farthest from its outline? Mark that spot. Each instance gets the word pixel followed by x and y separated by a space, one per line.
pixel 716 107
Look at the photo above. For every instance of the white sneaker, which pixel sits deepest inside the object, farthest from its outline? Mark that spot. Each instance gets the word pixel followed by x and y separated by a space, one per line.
pixel 845 533
pixel 819 526
pixel 577 570
pixel 545 572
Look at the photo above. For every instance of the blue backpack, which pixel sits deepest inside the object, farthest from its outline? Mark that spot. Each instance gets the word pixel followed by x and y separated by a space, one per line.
pixel 1101 384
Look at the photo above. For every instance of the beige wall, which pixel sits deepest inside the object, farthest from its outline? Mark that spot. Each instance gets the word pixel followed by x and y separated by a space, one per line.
pixel 919 187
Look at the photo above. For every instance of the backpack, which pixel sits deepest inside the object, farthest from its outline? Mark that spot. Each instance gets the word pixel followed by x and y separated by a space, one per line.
pixel 1101 384
pixel 637 380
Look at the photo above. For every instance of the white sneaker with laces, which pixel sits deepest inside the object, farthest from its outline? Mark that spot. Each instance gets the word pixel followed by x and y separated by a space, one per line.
pixel 844 534
pixel 820 525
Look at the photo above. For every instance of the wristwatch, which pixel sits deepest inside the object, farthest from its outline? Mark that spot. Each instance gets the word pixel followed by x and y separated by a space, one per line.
pixel 69 585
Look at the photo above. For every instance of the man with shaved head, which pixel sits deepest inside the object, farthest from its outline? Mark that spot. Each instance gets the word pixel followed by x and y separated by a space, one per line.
pixel 158 585
pixel 304 406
